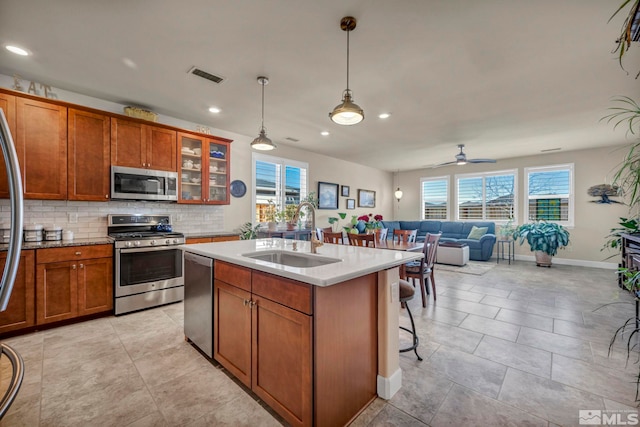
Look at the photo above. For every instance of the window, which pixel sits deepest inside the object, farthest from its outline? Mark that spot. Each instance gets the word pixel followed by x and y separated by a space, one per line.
pixel 435 193
pixel 282 181
pixel 489 196
pixel 549 193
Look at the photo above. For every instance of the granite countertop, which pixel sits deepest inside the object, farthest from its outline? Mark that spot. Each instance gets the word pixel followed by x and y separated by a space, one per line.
pixel 62 243
pixel 354 261
pixel 210 234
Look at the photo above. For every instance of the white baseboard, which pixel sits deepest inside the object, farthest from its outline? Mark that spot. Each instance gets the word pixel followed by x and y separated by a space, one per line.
pixel 387 387
pixel 575 262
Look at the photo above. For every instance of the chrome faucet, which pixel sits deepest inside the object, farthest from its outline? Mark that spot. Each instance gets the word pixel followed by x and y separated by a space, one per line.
pixel 315 243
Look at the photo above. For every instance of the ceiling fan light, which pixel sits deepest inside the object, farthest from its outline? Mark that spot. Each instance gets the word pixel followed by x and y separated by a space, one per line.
pixel 262 142
pixel 461 162
pixel 347 113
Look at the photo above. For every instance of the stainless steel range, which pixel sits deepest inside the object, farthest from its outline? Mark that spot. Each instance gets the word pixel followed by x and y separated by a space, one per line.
pixel 148 263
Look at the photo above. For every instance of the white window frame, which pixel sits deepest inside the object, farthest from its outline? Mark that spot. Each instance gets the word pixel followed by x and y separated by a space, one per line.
pixel 256 157
pixel 571 197
pixel 483 175
pixel 446 178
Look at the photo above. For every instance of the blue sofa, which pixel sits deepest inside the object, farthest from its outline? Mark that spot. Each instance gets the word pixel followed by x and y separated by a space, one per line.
pixel 452 231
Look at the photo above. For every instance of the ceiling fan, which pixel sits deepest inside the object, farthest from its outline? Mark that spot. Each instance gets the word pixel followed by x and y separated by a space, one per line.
pixel 461 159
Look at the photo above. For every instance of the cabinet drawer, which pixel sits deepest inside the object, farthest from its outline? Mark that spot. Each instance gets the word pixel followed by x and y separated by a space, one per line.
pixel 287 292
pixel 191 240
pixel 73 253
pixel 224 238
pixel 232 274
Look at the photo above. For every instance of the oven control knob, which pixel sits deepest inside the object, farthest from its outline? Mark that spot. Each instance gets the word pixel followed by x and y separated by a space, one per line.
pixel 127 244
pixel 152 243
pixel 136 243
pixel 175 241
pixel 167 242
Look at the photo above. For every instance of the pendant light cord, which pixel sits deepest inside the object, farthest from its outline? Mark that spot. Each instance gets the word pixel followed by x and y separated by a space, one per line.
pixel 262 83
pixel 348 31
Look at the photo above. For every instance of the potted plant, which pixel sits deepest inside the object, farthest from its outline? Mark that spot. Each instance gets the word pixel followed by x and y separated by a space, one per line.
pixel 270 215
pixel 544 238
pixel 333 220
pixel 507 229
pixel 287 215
pixel 311 198
pixel 248 231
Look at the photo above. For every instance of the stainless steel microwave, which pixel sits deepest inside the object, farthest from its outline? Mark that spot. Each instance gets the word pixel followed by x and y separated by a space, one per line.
pixel 143 184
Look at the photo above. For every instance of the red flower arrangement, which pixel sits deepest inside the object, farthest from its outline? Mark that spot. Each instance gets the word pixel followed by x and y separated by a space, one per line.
pixel 371 221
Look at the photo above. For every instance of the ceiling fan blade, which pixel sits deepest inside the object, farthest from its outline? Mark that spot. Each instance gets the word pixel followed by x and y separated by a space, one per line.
pixel 481 160
pixel 443 164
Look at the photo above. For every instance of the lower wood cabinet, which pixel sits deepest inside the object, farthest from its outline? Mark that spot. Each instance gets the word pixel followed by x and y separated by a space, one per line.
pixel 190 240
pixel 265 343
pixel 308 352
pixel 73 281
pixel 20 312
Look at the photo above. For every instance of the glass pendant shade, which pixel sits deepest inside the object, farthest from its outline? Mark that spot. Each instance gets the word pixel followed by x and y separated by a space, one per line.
pixel 398 194
pixel 348 112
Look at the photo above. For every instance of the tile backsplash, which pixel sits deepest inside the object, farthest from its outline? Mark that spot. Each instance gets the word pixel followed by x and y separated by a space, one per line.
pixel 89 219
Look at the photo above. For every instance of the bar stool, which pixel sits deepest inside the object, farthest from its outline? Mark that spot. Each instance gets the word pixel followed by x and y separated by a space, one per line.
pixel 406 294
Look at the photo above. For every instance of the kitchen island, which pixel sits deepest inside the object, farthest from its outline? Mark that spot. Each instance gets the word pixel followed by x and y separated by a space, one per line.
pixel 315 336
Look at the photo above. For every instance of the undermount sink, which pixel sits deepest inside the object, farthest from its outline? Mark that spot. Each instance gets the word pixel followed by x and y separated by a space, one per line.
pixel 301 260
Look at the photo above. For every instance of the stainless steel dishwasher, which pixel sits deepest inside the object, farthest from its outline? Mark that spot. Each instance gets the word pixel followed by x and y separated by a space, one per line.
pixel 198 301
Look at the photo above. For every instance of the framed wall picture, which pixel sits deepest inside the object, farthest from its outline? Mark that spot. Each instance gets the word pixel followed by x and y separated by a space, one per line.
pixel 344 191
pixel 366 199
pixel 327 195
pixel 351 203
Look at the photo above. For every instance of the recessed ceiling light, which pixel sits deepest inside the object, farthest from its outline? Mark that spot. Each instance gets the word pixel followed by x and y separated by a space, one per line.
pixel 214 110
pixel 129 63
pixel 17 50
pixel 324 133
pixel 384 115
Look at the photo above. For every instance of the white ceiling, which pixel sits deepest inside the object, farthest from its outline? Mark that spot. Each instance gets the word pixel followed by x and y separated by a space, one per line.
pixel 506 78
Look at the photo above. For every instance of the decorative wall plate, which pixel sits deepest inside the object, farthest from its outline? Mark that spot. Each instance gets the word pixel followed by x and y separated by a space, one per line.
pixel 238 188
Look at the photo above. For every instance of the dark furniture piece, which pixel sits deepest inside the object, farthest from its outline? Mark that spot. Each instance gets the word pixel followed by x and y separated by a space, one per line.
pixel 406 294
pixel 423 269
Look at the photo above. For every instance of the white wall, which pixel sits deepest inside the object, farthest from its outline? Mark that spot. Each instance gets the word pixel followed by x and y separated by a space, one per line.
pixel 592 221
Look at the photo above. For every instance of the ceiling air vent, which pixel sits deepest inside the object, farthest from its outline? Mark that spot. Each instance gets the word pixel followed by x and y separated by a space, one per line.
pixel 292 139
pixel 211 77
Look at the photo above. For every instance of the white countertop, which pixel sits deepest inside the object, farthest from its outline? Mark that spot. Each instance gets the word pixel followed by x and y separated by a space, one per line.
pixel 355 261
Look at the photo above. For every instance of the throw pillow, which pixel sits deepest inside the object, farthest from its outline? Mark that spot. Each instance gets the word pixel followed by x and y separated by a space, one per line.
pixel 477 232
pixel 361 226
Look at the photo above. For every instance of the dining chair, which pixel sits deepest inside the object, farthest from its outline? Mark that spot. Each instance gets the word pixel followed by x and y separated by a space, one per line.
pixel 380 233
pixel 320 232
pixel 367 240
pixel 333 237
pixel 407 236
pixel 423 269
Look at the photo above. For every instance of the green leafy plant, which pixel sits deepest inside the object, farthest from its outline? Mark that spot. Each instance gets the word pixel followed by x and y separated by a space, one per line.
pixel 334 219
pixel 543 236
pixel 270 212
pixel 248 231
pixel 311 198
pixel 626 33
pixel 627 226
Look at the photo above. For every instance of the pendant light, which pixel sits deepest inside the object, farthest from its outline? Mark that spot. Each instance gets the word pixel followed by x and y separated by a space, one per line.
pixel 263 143
pixel 347 113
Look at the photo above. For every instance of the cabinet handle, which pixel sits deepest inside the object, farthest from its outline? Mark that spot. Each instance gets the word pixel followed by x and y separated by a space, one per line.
pixel 245 302
pixel 73 267
pixel 78 253
pixel 81 266
pixel 252 304
pixel 106 196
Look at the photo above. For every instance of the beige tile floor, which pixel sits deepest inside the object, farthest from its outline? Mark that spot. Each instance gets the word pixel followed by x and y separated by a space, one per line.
pixel 519 345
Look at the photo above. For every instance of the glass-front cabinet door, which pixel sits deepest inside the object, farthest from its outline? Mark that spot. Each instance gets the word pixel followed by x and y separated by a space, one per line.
pixel 204 169
pixel 218 172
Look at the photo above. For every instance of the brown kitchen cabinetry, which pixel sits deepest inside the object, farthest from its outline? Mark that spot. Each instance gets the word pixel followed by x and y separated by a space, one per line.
pixel 20 312
pixel 8 105
pixel 263 336
pixel 89 157
pixel 204 169
pixel 40 138
pixel 73 281
pixel 211 239
pixel 138 145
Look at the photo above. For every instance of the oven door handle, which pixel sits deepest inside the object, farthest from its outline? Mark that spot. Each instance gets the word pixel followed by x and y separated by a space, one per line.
pixel 146 249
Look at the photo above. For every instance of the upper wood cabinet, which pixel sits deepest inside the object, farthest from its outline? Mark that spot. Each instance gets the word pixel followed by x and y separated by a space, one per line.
pixel 8 105
pixel 89 146
pixel 41 143
pixel 204 169
pixel 40 137
pixel 138 145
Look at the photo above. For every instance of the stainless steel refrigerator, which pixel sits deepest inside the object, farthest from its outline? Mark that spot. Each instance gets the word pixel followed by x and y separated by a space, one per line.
pixel 13 256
